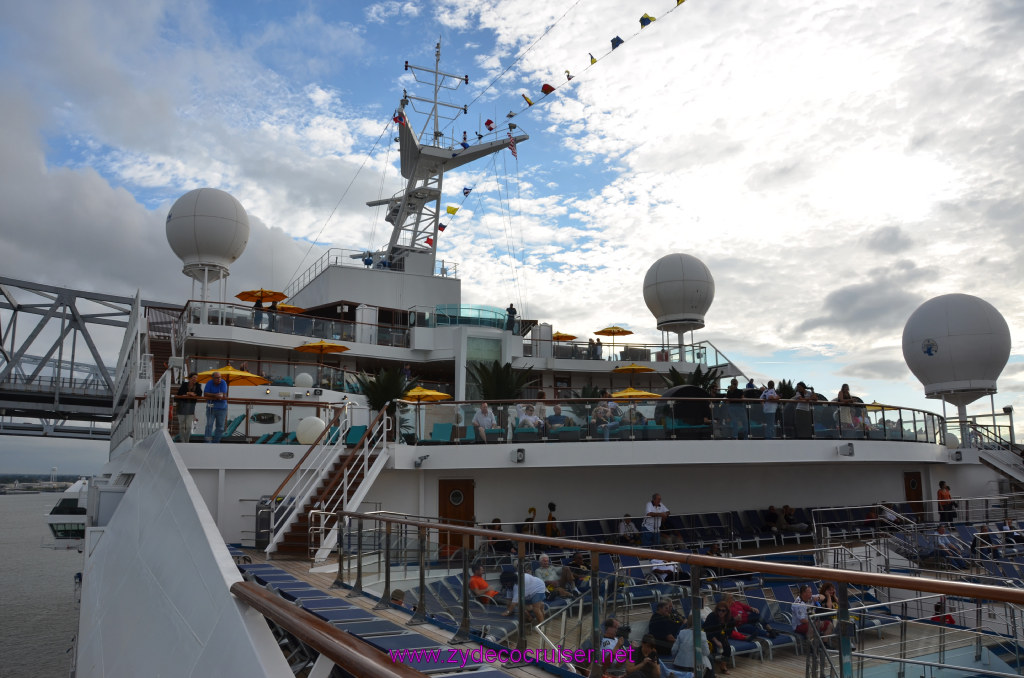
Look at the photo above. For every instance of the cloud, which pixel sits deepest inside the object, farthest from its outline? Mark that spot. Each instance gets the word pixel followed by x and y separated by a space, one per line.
pixel 883 302
pixel 382 12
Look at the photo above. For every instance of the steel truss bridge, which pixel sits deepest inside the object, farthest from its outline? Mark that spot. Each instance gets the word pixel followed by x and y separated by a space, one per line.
pixel 54 379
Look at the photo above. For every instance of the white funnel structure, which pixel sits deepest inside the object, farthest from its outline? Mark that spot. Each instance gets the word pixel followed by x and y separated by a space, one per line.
pixel 678 290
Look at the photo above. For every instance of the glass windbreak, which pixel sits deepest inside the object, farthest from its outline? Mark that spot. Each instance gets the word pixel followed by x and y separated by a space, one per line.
pixel 640 419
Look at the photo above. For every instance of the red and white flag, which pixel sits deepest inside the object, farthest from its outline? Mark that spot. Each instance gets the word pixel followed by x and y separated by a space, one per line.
pixel 512 145
pixel 489 124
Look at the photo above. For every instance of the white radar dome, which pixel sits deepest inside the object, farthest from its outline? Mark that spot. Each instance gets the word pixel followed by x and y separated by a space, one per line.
pixel 678 290
pixel 208 230
pixel 956 345
pixel 303 380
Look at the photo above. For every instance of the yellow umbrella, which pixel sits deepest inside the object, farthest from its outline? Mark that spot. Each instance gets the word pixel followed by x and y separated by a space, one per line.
pixel 233 376
pixel 633 368
pixel 420 394
pixel 321 348
pixel 875 406
pixel 634 393
pixel 288 308
pixel 261 295
pixel 562 336
pixel 614 331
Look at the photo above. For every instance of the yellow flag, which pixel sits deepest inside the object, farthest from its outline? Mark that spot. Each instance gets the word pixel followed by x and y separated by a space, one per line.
pixel 452 209
pixel 679 2
pixel 529 102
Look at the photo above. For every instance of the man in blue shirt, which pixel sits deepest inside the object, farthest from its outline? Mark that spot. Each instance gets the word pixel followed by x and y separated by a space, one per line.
pixel 216 394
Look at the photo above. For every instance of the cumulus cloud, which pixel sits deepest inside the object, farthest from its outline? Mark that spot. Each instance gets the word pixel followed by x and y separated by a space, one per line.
pixel 834 164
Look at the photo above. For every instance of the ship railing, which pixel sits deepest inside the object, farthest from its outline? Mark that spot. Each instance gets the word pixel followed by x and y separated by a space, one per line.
pixel 130 356
pixel 283 374
pixel 869 602
pixel 309 471
pixel 295 324
pixel 641 419
pixel 350 258
pixel 152 411
pixel 539 344
pixel 347 487
pixel 334 646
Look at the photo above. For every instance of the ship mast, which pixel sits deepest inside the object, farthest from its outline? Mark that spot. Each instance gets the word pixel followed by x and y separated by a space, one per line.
pixel 415 212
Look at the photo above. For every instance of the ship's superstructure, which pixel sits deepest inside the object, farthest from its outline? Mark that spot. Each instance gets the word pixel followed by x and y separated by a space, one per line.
pixel 304 439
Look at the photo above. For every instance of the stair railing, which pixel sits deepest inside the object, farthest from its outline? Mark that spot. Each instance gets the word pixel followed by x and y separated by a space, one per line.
pixel 307 474
pixel 347 487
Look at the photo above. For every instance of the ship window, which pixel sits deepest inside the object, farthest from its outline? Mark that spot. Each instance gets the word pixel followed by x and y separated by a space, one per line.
pixel 68 530
pixel 124 480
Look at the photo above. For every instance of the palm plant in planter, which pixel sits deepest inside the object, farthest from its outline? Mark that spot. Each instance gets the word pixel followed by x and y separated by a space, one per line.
pixel 499 382
pixel 385 389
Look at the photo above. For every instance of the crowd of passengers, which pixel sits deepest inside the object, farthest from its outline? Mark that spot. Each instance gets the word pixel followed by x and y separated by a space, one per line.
pixel 728 418
pixel 729 621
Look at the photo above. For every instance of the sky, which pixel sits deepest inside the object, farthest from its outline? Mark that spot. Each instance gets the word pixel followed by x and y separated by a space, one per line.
pixel 835 164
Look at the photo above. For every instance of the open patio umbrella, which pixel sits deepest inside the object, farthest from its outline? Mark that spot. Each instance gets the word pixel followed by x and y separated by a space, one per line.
pixel 321 348
pixel 266 296
pixel 233 376
pixel 562 336
pixel 632 369
pixel 420 394
pixel 634 393
pixel 614 331
pixel 288 308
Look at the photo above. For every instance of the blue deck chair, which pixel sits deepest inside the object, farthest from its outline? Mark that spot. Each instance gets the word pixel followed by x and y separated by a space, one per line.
pixel 525 435
pixel 262 439
pixel 289 439
pixel 354 435
pixel 470 436
pixel 567 434
pixel 230 429
pixel 653 431
pixel 276 436
pixel 441 434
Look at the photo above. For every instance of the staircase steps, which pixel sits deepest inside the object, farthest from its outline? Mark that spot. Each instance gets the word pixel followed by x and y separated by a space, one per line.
pixel 296 539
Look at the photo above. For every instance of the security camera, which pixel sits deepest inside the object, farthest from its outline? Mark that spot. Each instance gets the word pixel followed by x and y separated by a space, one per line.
pixel 419 462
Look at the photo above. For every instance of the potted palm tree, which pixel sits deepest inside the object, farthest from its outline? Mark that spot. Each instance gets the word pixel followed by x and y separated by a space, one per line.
pixel 385 389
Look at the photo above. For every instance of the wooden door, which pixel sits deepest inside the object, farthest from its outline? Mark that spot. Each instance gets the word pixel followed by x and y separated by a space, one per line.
pixel 914 492
pixel 454 505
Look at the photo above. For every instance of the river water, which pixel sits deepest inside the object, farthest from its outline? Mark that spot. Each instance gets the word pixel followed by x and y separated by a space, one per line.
pixel 38 601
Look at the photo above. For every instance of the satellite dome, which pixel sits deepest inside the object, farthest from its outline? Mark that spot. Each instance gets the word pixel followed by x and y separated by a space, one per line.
pixel 208 230
pixel 678 290
pixel 956 345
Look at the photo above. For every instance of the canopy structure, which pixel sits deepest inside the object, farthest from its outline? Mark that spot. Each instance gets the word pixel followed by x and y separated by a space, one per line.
pixel 562 336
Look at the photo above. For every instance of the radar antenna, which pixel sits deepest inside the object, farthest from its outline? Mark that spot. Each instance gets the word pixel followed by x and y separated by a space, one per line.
pixel 414 212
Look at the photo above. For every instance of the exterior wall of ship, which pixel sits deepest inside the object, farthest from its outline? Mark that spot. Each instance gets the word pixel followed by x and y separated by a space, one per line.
pixel 155 594
pixel 386 289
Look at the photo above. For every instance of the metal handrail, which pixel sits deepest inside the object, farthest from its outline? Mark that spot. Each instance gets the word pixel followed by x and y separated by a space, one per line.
pixel 341 648
pixel 864 578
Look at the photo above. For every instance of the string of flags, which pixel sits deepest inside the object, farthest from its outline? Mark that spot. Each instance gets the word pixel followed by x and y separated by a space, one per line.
pixel 546 90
